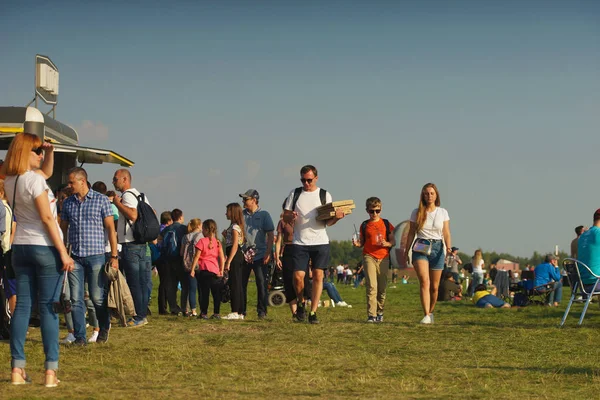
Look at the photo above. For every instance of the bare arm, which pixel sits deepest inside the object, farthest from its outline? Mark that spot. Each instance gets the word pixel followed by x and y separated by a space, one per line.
pixel 64 226
pixel 410 239
pixel 12 232
pixel 130 213
pixel 339 214
pixel 278 244
pixel 109 226
pixel 446 234
pixel 195 262
pixel 221 260
pixel 270 238
pixel 48 163
pixel 234 248
pixel 43 207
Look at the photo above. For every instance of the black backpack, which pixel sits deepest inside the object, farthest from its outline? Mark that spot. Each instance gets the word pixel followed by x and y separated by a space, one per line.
pixel 298 191
pixel 146 227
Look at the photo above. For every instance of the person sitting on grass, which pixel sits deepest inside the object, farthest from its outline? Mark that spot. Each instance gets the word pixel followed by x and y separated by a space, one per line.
pixel 449 289
pixel 484 298
pixel 334 295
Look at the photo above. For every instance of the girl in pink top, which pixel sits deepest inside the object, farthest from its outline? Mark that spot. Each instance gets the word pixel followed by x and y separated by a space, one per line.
pixel 211 262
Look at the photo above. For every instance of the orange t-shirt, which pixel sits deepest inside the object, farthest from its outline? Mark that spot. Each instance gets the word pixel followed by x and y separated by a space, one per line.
pixel 372 229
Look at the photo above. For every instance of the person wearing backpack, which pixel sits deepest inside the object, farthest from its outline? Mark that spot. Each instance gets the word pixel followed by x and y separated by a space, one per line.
pixel 188 247
pixel 170 240
pixel 376 238
pixel 138 225
pixel 310 242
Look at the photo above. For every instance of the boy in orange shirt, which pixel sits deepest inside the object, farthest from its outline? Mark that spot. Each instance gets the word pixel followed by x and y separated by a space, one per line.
pixel 376 238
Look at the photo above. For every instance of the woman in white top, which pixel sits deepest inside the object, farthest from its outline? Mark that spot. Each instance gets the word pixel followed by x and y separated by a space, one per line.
pixel 234 264
pixel 38 253
pixel 477 274
pixel 431 225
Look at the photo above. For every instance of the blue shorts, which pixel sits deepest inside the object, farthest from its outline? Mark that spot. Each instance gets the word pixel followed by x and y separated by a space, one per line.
pixel 436 258
pixel 318 255
pixel 491 300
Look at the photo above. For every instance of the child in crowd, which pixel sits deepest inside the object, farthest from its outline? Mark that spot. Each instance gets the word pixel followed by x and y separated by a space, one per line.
pixel 211 263
pixel 188 245
pixel 376 239
pixel 484 298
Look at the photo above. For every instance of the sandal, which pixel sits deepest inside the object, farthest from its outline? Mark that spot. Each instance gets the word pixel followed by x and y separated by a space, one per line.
pixel 19 378
pixel 51 379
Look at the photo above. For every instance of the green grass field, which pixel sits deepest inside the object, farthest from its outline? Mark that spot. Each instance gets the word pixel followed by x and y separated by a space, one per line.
pixel 468 353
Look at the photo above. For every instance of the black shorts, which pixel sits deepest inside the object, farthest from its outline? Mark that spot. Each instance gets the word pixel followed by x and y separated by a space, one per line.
pixel 318 255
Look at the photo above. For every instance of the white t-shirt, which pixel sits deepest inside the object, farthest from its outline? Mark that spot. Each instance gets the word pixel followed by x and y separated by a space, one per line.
pixel 434 223
pixel 339 269
pixel 477 267
pixel 8 228
pixel 125 234
pixel 307 230
pixel 30 229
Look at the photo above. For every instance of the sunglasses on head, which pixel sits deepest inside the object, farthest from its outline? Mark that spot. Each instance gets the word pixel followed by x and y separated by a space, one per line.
pixel 309 181
pixel 374 211
pixel 37 150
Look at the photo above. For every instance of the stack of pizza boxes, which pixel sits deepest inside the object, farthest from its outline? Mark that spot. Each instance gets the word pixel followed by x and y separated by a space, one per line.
pixel 327 211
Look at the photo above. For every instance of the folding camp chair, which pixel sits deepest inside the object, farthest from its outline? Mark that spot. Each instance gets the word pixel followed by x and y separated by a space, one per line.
pixel 534 294
pixel 579 292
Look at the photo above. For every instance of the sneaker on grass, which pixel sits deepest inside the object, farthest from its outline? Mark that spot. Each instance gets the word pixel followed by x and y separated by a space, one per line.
pixel 102 337
pixel 379 318
pixel 301 313
pixel 233 316
pixel 371 320
pixel 312 318
pixel 426 320
pixel 69 339
pixel 94 337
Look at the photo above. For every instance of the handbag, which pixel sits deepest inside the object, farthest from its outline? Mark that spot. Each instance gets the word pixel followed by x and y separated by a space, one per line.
pixel 422 246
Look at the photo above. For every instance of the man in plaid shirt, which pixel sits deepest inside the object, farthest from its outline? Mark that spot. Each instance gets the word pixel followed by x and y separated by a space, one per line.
pixel 85 216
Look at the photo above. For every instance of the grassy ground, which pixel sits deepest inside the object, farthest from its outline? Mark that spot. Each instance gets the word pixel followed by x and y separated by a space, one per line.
pixel 468 353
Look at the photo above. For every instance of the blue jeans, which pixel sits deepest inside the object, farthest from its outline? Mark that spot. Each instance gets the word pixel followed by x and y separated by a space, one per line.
pixel 90 269
pixel 39 275
pixel 491 300
pixel 477 280
pixel 260 274
pixel 192 294
pixel 556 294
pixel 136 272
pixel 332 292
pixel 149 283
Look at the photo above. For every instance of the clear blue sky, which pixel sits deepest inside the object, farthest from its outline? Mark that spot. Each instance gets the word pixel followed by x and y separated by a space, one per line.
pixel 498 104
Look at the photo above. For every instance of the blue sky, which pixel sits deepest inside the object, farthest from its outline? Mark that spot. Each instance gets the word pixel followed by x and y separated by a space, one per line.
pixel 496 103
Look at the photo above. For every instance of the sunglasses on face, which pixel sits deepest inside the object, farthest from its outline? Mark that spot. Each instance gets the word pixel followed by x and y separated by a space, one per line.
pixel 374 211
pixel 37 150
pixel 309 181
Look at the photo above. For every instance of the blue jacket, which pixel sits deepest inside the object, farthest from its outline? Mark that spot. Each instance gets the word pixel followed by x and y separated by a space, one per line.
pixel 546 273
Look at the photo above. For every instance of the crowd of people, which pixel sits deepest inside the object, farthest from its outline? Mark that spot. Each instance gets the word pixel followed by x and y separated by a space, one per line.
pixel 58 252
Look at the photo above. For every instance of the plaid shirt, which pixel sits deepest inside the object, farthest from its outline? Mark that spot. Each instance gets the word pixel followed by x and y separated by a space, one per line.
pixel 86 223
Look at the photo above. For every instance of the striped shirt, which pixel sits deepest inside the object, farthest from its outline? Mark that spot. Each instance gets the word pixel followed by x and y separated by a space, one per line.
pixel 86 223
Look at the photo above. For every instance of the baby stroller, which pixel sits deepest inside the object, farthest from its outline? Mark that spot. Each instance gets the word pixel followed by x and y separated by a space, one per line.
pixel 275 286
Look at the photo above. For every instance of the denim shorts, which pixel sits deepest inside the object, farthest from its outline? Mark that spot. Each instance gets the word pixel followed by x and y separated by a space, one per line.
pixel 436 258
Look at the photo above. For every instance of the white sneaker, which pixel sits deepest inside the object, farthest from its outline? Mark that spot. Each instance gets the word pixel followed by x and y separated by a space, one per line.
pixel 94 337
pixel 69 339
pixel 241 316
pixel 233 316
pixel 332 304
pixel 426 320
pixel 342 304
